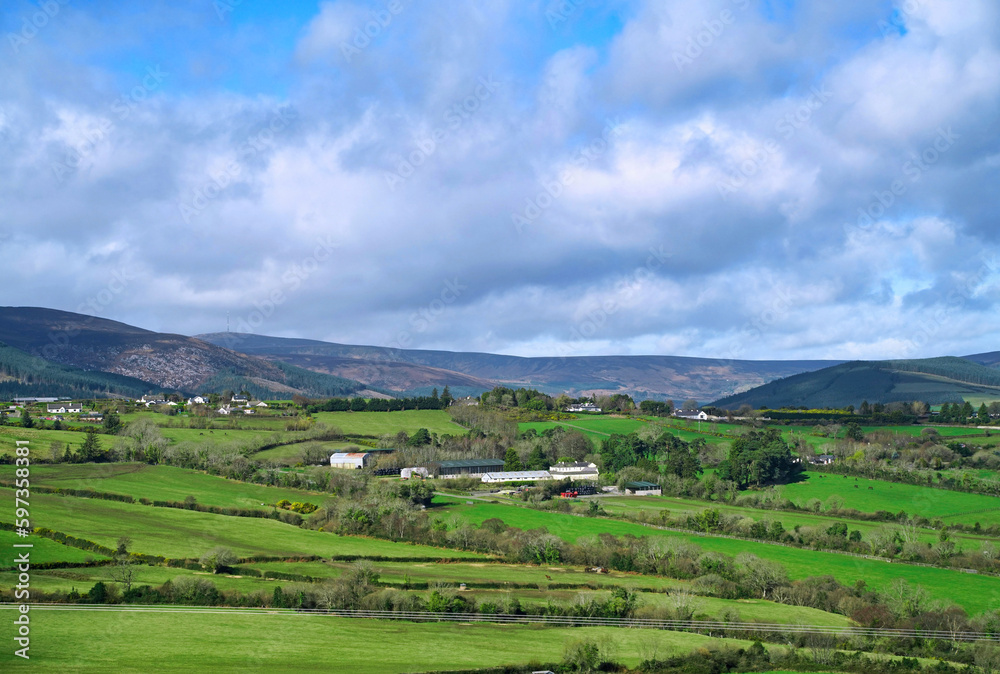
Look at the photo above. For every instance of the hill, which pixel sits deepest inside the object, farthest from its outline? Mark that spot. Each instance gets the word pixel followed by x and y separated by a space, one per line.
pixel 24 375
pixel 933 380
pixel 164 361
pixel 410 370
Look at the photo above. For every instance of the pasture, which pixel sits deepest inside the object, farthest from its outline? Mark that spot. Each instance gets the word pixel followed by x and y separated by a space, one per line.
pixel 975 593
pixel 162 483
pixel 175 533
pixel 224 640
pixel 390 423
pixel 42 551
pixel 929 502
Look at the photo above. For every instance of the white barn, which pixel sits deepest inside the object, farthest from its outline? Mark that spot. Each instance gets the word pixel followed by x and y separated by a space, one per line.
pixel 518 476
pixel 350 460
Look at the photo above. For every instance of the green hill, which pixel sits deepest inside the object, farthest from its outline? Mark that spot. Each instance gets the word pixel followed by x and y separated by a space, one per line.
pixel 933 380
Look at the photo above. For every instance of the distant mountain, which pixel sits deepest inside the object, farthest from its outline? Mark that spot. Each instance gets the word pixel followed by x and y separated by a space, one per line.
pixel 165 361
pixel 991 359
pixel 415 370
pixel 933 380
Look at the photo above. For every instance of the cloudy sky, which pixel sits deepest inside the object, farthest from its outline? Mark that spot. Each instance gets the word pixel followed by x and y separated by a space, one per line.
pixel 736 178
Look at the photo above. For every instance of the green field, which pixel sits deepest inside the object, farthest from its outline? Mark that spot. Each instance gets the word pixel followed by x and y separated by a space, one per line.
pixel 949 506
pixel 161 483
pixel 975 593
pixel 290 454
pixel 224 641
pixel 175 533
pixel 43 550
pixel 678 507
pixel 390 423
pixel 41 440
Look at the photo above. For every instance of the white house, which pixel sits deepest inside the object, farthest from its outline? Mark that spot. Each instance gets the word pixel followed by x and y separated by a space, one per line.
pixel 694 415
pixel 64 408
pixel 197 400
pixel 583 407
pixel 350 460
pixel 261 404
pixel 224 410
pixel 579 470
pixel 518 476
pixel 822 459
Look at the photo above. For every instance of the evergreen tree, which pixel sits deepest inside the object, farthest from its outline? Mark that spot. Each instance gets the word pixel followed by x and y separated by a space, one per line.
pixel 511 461
pixel 446 398
pixel 537 460
pixel 90 450
pixel 984 414
pixel 26 420
pixel 3 418
pixel 434 393
pixel 112 424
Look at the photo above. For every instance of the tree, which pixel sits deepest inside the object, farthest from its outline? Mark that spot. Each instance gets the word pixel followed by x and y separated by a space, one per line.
pixel 3 418
pixel 854 432
pixel 420 438
pixel 90 450
pixel 124 569
pixel 446 397
pixel 511 461
pixel 759 458
pixel 26 420
pixel 112 424
pixel 537 459
pixel 984 414
pixel 218 558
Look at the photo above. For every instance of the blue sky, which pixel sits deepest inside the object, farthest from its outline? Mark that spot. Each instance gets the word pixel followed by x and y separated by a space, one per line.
pixel 733 178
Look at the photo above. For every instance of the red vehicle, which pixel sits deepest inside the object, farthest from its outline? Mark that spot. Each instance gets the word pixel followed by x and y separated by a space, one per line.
pixel 569 494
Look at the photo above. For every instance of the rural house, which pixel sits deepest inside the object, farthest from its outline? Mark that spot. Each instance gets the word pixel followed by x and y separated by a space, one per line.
pixel 583 407
pixel 64 408
pixel 578 470
pixel 518 476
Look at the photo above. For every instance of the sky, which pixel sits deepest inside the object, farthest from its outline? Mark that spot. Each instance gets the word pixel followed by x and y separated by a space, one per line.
pixel 760 179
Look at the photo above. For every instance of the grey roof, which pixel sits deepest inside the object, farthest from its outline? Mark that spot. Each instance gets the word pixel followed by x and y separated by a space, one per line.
pixel 641 485
pixel 520 475
pixel 471 463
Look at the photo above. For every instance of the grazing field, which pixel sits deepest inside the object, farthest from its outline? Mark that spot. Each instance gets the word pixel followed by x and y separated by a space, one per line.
pixel 43 550
pixel 390 423
pixel 162 483
pixel 175 533
pixel 679 507
pixel 975 593
pixel 291 454
pixel 929 502
pixel 219 640
pixel 42 440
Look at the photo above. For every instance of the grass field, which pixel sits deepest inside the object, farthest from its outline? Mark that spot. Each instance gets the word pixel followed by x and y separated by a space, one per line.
pixel 975 593
pixel 161 483
pixel 184 533
pixel 949 506
pixel 290 454
pixel 283 641
pixel 677 507
pixel 41 440
pixel 385 423
pixel 43 550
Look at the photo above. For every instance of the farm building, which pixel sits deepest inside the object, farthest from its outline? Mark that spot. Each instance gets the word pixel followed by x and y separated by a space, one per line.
pixel 466 467
pixel 518 476
pixel 584 407
pixel 578 470
pixel 641 488
pixel 407 473
pixel 350 460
